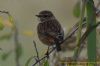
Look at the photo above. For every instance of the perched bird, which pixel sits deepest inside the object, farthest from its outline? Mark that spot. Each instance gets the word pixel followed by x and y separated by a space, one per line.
pixel 49 29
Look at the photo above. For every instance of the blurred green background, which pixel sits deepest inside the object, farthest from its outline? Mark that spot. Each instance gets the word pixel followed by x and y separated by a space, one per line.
pixel 23 12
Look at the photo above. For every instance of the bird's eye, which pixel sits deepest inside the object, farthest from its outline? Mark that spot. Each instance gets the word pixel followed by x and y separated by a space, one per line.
pixel 45 15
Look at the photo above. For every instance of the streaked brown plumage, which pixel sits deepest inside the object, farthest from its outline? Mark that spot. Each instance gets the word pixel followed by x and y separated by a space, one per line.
pixel 49 29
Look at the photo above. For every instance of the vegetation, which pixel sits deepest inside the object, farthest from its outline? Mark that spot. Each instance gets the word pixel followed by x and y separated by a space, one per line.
pixel 85 12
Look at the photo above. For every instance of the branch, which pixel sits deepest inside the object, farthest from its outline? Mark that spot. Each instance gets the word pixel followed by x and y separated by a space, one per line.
pixel 80 44
pixel 46 56
pixel 36 51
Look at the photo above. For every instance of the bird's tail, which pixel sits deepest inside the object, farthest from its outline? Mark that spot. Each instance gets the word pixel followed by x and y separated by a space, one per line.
pixel 58 48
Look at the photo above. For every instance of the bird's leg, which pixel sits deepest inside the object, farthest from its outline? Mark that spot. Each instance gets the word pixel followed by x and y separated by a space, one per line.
pixel 47 52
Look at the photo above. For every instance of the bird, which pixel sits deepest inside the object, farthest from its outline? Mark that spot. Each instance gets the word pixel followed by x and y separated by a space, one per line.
pixel 49 30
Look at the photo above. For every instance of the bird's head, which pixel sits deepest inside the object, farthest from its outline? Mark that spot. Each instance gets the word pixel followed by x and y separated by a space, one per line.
pixel 45 15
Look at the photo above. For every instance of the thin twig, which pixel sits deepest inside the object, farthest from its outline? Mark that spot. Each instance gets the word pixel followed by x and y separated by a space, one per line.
pixel 16 47
pixel 6 12
pixel 46 56
pixel 36 51
pixel 80 44
pixel 74 29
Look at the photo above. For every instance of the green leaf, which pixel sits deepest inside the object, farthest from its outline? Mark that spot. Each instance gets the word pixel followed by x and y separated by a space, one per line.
pixel 91 39
pixel 6 36
pixel 76 10
pixel 28 61
pixel 4 56
pixel 46 63
pixel 19 50
pixel 1 23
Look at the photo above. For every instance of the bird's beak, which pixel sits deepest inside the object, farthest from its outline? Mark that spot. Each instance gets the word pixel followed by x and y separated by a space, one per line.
pixel 38 15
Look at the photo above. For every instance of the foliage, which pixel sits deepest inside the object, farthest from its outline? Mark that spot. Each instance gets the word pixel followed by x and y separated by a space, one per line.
pixel 4 56
pixel 76 10
pixel 91 21
pixel 18 47
pixel 46 63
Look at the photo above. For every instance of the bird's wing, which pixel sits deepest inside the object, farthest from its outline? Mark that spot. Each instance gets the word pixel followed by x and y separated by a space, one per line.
pixel 55 29
pixel 51 28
